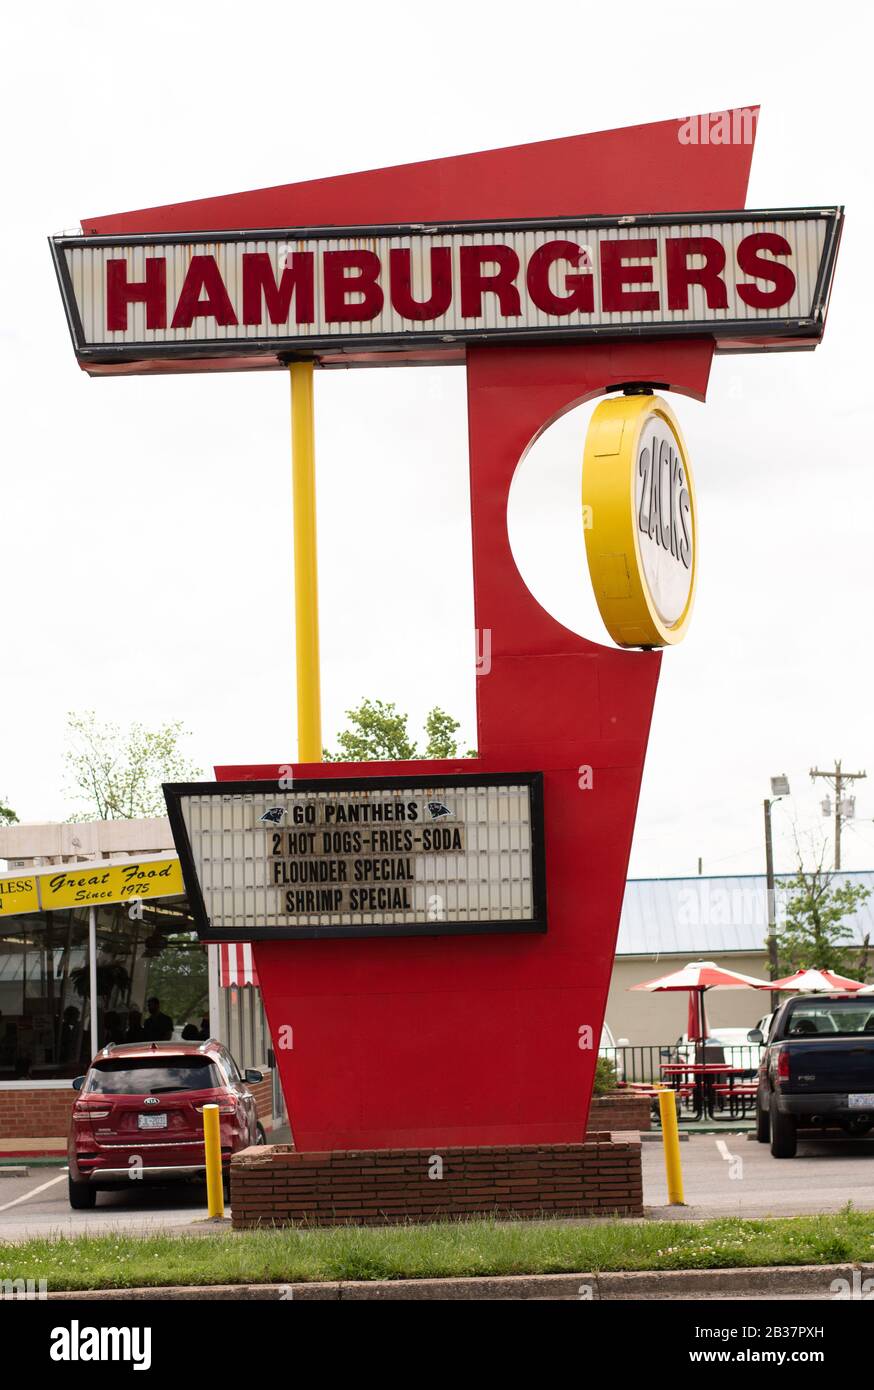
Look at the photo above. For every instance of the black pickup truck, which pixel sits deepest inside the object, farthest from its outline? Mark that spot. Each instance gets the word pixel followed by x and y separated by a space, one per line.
pixel 817 1070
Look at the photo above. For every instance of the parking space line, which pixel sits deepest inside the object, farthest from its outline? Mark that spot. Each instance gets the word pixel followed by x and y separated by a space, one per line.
pixel 34 1192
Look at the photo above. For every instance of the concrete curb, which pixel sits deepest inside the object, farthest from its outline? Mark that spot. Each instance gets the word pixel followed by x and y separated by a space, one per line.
pixel 14 1163
pixel 672 1284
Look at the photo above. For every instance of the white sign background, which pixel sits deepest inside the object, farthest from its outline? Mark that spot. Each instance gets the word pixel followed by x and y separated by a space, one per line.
pixel 668 579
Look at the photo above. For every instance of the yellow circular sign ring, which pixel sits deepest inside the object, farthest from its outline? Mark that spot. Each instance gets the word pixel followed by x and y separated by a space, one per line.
pixel 614 459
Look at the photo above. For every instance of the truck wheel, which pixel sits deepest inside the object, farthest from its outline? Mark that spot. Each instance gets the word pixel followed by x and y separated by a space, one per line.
pixel 763 1125
pixel 82 1195
pixel 784 1134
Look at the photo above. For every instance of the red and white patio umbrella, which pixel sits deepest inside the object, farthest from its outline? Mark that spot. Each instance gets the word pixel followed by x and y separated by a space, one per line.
pixel 814 982
pixel 697 977
pixel 701 975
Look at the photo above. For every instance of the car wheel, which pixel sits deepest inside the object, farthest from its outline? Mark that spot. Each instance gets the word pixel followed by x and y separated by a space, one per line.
pixel 763 1125
pixel 784 1134
pixel 82 1195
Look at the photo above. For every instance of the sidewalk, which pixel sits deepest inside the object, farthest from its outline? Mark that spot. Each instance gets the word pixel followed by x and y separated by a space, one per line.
pixel 17 1150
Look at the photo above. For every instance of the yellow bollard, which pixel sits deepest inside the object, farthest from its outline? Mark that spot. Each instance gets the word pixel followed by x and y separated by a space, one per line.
pixel 306 575
pixel 671 1141
pixel 215 1191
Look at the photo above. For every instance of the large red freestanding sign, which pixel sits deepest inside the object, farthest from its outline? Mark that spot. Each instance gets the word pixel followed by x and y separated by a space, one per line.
pixel 433 1034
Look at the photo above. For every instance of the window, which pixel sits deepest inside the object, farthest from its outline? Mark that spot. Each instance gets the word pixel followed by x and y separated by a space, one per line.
pixel 45 985
pixel 230 1065
pixel 143 1076
pixel 244 1025
pixel 830 1017
pixel 44 1009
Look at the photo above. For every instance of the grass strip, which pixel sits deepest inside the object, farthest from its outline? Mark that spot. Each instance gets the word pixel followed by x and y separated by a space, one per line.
pixel 460 1248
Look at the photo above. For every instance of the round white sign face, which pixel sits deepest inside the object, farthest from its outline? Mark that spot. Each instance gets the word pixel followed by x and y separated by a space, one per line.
pixel 663 519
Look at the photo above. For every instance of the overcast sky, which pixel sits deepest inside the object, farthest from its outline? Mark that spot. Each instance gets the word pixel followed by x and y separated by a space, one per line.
pixel 146 524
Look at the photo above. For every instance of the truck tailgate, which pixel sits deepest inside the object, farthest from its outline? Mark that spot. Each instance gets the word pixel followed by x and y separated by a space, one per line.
pixel 825 1065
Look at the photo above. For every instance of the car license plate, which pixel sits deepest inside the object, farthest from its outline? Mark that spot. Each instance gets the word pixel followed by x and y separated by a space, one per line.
pixel 152 1121
pixel 861 1102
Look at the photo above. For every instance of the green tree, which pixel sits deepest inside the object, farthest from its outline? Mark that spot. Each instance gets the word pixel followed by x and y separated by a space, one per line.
pixel 118 772
pixel 378 733
pixel 814 934
pixel 179 976
pixel 441 729
pixel 7 815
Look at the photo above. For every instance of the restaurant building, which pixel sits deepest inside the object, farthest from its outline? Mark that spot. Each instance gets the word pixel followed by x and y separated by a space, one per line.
pixel 97 912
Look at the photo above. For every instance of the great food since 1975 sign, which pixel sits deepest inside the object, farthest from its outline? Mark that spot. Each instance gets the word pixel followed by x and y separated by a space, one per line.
pixel 750 279
pixel 345 857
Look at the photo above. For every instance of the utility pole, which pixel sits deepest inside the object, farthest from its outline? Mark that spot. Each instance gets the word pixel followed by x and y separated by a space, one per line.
pixel 837 779
pixel 773 962
pixel 779 789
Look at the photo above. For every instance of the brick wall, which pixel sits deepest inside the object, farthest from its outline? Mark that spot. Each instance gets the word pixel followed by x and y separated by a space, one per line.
pixel 36 1114
pixel 276 1185
pixel 619 1111
pixel 263 1093
pixel 45 1114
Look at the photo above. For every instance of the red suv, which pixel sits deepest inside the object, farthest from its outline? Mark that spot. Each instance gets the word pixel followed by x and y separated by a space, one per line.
pixel 139 1114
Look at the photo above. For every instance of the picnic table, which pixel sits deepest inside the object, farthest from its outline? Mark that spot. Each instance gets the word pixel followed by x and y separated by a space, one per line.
pixel 712 1084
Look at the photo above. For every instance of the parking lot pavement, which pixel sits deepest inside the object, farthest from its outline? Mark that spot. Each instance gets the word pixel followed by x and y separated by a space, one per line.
pixel 729 1175
pixel 37 1205
pixel 723 1175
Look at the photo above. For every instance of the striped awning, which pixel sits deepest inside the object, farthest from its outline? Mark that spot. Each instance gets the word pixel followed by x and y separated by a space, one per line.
pixel 236 964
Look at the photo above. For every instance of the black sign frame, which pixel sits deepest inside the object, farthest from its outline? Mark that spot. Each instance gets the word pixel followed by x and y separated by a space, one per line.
pixel 748 332
pixel 536 924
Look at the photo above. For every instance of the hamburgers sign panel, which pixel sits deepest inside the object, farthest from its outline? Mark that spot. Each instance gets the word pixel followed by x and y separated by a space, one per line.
pixel 752 280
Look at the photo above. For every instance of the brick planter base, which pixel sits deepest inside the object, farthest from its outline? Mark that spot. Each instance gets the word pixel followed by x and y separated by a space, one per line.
pixel 42 1112
pixel 620 1111
pixel 274 1185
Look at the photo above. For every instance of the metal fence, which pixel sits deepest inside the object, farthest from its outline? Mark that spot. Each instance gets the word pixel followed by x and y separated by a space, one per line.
pixel 642 1062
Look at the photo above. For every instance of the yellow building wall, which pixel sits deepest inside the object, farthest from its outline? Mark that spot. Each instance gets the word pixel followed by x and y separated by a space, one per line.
pixel 661 1018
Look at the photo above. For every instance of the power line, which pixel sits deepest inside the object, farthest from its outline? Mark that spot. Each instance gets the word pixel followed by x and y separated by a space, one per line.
pixel 856 831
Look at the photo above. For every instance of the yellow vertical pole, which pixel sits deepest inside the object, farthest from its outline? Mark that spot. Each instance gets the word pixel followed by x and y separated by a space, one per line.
pixel 306 574
pixel 215 1192
pixel 671 1141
